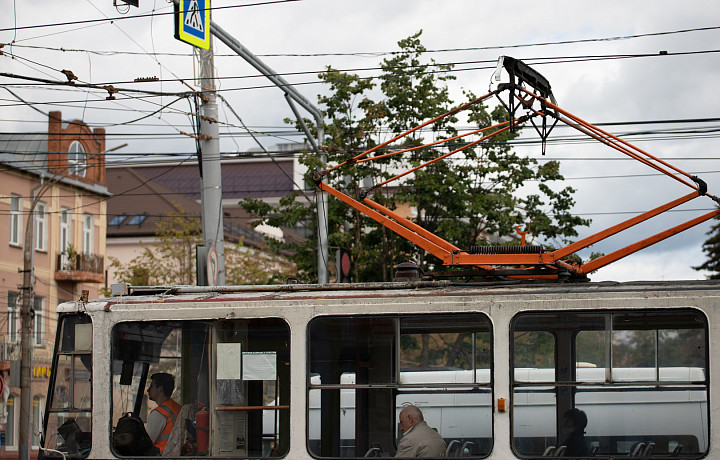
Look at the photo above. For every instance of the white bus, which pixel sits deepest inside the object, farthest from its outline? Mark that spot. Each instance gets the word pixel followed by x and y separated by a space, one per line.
pixel 322 371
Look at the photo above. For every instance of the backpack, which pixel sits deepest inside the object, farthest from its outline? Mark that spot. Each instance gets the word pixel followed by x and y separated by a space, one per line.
pixel 131 439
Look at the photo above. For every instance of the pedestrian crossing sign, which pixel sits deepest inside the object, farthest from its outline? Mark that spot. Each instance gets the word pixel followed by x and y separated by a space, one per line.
pixel 192 22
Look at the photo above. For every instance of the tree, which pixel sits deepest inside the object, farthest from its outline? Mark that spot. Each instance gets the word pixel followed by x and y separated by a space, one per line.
pixel 464 200
pixel 711 247
pixel 171 258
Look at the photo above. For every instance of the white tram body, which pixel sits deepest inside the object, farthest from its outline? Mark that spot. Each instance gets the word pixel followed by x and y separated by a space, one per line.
pixel 322 371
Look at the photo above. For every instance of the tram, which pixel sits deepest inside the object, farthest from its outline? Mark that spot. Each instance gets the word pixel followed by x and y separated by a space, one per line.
pixel 321 371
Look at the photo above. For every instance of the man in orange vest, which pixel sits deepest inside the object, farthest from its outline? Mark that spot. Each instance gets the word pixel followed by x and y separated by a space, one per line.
pixel 162 419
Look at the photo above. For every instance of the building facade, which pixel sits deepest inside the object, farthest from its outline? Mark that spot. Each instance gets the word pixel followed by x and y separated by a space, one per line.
pixel 52 184
pixel 145 193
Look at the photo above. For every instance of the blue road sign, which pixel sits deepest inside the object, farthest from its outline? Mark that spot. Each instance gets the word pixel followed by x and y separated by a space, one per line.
pixel 192 22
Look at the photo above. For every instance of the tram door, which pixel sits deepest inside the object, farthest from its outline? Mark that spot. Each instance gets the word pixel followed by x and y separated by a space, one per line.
pixel 250 408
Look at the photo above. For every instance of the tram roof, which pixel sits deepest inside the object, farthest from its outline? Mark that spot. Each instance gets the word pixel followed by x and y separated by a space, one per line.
pixel 159 295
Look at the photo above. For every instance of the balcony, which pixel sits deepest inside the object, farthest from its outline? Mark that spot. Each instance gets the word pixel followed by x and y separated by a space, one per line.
pixel 79 268
pixel 9 351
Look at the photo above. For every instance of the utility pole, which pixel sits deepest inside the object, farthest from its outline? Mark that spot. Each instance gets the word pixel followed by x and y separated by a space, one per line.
pixel 26 325
pixel 25 345
pixel 211 177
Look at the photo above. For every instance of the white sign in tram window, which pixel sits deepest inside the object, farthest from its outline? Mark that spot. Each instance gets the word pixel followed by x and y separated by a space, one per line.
pixel 229 365
pixel 259 365
pixel 83 337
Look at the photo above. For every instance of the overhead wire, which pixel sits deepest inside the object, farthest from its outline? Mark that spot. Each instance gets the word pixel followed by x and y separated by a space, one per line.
pixel 490 64
pixel 137 16
pixel 389 53
pixel 176 93
pixel 588 58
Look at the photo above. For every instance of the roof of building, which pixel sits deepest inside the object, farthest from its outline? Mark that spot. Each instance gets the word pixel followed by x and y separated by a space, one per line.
pixel 28 152
pixel 143 202
pixel 240 179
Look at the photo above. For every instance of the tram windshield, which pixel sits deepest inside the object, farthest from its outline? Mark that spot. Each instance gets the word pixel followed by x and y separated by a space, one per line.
pixel 68 419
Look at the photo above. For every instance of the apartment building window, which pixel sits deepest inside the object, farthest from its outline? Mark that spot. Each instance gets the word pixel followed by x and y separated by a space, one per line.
pixel 38 404
pixel 13 317
pixel 41 226
pixel 77 160
pixel 10 430
pixel 65 227
pixel 15 220
pixel 39 321
pixel 88 230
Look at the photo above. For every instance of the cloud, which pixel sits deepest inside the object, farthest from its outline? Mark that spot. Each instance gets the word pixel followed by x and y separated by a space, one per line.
pixel 665 266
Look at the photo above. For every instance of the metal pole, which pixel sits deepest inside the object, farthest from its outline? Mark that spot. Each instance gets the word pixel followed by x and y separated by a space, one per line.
pixel 26 319
pixel 211 191
pixel 322 200
pixel 322 218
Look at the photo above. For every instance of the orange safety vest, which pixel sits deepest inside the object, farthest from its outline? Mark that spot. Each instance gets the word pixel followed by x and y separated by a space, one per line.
pixel 170 410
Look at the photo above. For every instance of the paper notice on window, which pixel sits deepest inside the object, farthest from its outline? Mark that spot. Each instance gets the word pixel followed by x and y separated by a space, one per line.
pixel 232 432
pixel 259 366
pixel 229 361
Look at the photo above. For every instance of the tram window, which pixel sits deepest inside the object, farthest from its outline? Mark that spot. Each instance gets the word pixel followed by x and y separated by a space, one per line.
pixel 364 369
pixel 69 399
pixel 231 386
pixel 638 376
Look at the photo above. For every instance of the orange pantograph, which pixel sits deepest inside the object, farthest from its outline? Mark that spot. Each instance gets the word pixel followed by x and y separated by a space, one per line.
pixel 530 92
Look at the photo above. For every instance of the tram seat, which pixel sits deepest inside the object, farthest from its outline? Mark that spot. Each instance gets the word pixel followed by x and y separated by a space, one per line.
pixel 452 449
pixel 466 449
pixel 594 450
pixel 178 435
pixel 549 451
pixel 376 450
pixel 560 451
pixel 648 449
pixel 637 450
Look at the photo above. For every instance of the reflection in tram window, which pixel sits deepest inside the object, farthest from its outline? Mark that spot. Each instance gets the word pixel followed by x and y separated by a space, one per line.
pixel 365 369
pixel 639 376
pixel 231 385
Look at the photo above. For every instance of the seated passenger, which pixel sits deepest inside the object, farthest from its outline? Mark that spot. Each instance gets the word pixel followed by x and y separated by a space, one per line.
pixel 575 444
pixel 419 440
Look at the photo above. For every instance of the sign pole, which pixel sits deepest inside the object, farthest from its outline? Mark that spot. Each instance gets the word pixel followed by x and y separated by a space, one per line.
pixel 192 25
pixel 211 191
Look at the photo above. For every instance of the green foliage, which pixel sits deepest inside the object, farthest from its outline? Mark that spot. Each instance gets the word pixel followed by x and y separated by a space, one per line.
pixel 432 351
pixel 170 259
pixel 467 199
pixel 534 349
pixel 711 248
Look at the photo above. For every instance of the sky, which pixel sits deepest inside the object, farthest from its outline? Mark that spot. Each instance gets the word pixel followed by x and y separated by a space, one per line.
pixel 300 38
